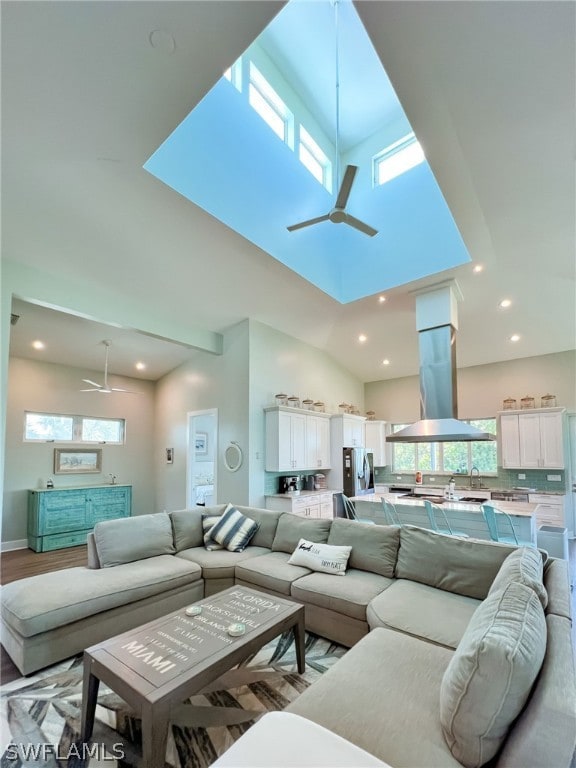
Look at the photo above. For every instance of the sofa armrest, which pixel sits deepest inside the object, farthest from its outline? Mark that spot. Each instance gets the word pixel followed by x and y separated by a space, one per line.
pixel 93 561
pixel 285 740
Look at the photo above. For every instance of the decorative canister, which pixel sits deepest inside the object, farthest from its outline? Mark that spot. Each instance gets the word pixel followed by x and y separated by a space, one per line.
pixel 319 406
pixel 527 402
pixel 418 478
pixel 308 404
pixel 509 404
pixel 343 407
pixel 293 402
pixel 371 415
pixel 548 401
pixel 281 399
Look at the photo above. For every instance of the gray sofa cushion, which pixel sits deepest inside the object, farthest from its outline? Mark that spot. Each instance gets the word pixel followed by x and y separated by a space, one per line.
pixel 489 678
pixel 422 611
pixel 525 566
pixel 30 607
pixel 268 520
pixel 291 528
pixel 220 563
pixel 383 696
pixel 557 584
pixel 374 547
pixel 133 538
pixel 187 525
pixel 270 572
pixel 464 566
pixel 349 595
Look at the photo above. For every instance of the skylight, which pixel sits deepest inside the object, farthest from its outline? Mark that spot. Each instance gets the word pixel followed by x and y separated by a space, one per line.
pixel 399 157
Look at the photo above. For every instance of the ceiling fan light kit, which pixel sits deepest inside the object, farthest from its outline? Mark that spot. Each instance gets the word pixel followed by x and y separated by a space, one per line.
pixel 105 389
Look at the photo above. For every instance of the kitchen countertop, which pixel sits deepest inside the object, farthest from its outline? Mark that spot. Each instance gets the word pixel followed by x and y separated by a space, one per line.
pixel 467 488
pixel 511 507
pixel 299 493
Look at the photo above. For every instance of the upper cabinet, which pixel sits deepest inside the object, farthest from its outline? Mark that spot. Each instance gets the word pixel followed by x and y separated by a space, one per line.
pixel 376 441
pixel 532 440
pixel 348 430
pixel 296 440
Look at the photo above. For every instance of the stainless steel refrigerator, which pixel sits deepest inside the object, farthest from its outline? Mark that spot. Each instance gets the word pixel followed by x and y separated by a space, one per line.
pixel 358 471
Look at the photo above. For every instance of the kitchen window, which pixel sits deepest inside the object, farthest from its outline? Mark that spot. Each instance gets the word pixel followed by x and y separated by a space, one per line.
pixel 64 428
pixel 448 458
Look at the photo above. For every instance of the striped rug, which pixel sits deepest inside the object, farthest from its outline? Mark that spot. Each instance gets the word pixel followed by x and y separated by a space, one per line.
pixel 43 711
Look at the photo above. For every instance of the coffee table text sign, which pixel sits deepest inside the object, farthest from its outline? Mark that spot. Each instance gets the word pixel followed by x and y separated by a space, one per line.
pixel 179 642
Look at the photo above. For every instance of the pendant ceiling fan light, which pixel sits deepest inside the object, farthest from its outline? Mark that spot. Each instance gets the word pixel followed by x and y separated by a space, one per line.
pixel 105 389
pixel 338 214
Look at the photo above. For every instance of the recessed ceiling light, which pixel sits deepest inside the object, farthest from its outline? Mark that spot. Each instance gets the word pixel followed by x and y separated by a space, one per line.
pixel 140 366
pixel 38 344
pixel 505 303
pixel 386 361
pixel 381 299
pixel 362 338
pixel 478 268
pixel 515 337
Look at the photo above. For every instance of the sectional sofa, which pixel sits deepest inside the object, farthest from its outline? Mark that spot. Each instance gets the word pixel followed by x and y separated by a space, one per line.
pixel 460 653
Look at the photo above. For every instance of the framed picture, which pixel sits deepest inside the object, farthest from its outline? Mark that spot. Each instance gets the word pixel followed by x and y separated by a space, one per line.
pixel 78 461
pixel 201 443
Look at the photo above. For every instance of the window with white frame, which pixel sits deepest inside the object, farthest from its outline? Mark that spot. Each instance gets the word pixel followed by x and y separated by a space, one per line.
pixel 64 428
pixel 264 99
pixel 312 157
pixel 396 159
pixel 448 458
pixel 234 74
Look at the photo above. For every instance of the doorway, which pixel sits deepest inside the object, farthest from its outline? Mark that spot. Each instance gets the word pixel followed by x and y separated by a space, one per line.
pixel 201 464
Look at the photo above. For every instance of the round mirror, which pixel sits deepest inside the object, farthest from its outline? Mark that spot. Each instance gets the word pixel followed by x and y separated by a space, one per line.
pixel 233 457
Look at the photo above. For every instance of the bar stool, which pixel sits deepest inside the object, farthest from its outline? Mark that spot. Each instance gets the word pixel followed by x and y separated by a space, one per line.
pixel 489 513
pixel 350 511
pixel 434 511
pixel 391 514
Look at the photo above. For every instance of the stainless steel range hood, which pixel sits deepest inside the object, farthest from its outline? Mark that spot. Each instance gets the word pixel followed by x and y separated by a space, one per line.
pixel 436 322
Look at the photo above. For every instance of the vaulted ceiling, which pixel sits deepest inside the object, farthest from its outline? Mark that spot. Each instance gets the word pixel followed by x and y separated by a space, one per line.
pixel 91 89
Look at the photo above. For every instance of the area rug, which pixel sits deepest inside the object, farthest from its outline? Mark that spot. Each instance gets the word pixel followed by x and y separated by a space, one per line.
pixel 43 711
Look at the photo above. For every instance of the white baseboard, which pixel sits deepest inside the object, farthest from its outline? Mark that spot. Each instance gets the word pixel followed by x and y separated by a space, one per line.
pixel 8 546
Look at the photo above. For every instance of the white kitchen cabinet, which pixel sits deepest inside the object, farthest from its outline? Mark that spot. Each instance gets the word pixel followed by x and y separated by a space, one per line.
pixel 306 505
pixel 318 441
pixel 375 433
pixel 550 510
pixel 533 440
pixel 348 430
pixel 285 440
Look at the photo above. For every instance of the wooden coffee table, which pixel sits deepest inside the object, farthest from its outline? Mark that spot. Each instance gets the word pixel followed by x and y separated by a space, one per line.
pixel 164 662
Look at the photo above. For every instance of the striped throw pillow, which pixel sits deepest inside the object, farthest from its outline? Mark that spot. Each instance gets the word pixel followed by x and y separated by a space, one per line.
pixel 233 530
pixel 208 522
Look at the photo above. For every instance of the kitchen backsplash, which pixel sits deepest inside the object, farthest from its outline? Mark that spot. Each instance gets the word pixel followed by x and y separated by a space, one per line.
pixel 506 478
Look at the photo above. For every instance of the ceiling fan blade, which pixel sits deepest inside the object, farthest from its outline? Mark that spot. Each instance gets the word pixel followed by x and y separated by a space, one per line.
pixel 127 391
pixel 346 186
pixel 357 224
pixel 94 384
pixel 307 223
pixel 91 390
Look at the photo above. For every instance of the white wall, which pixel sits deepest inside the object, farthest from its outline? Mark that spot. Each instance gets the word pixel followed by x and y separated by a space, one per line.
pixel 482 388
pixel 206 381
pixel 281 363
pixel 49 388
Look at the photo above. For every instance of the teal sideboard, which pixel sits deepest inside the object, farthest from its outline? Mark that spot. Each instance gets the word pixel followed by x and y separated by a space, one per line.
pixel 63 517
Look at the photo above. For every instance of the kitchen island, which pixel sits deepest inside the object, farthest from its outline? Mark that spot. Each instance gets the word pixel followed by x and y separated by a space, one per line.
pixel 462 516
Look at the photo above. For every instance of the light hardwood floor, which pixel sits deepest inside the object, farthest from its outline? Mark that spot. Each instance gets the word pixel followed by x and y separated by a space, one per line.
pixel 24 562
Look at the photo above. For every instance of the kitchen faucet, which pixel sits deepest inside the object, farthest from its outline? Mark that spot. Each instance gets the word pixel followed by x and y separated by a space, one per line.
pixel 475 478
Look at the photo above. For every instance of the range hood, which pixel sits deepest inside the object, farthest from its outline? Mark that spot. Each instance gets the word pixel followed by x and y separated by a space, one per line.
pixel 436 323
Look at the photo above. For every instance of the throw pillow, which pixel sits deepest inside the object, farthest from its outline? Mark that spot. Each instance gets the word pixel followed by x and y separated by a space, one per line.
pixel 208 522
pixel 491 673
pixel 326 558
pixel 523 565
pixel 233 530
pixel 127 539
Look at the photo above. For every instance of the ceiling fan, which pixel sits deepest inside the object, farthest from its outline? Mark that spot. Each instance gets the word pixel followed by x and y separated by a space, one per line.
pixel 338 214
pixel 105 388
